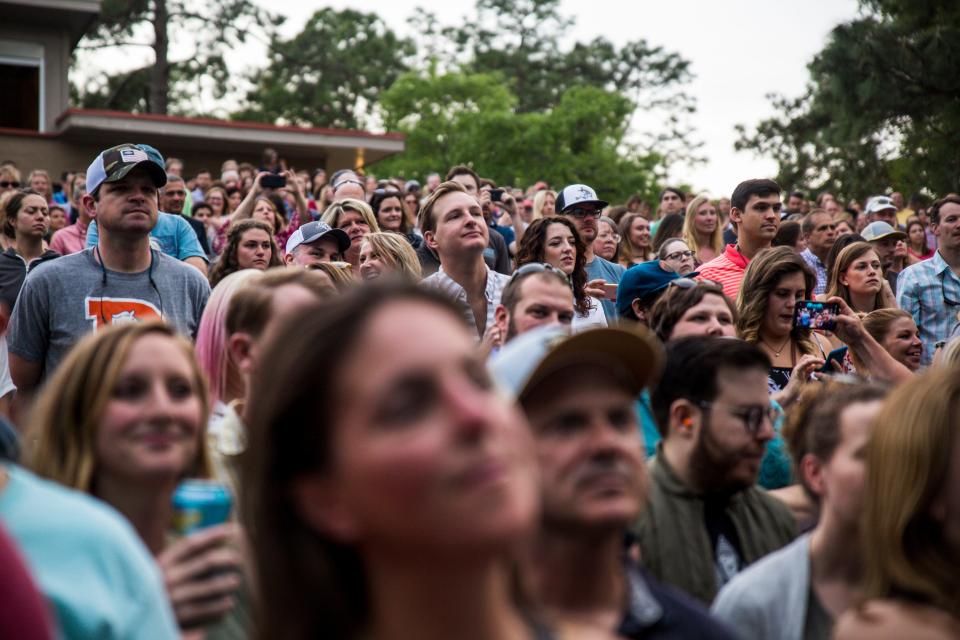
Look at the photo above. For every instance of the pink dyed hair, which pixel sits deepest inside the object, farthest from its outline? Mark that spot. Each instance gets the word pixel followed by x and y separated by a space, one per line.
pixel 212 335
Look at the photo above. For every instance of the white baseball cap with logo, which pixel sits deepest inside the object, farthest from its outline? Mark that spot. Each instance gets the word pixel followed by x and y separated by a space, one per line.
pixel 577 195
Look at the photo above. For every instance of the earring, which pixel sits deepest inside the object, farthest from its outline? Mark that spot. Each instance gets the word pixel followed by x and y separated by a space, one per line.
pixel 687 424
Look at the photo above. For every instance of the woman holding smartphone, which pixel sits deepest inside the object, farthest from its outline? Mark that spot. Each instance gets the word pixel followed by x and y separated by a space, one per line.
pixel 774 283
pixel 556 242
pixel 124 419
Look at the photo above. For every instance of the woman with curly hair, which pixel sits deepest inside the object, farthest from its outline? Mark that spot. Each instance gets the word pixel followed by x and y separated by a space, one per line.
pixel 249 245
pixel 556 242
pixel 775 281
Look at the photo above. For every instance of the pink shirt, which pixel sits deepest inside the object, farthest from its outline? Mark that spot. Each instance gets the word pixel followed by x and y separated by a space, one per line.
pixel 726 269
pixel 71 239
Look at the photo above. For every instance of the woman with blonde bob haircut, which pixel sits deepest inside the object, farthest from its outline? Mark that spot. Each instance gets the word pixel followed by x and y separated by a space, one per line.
pixel 384 253
pixel 356 218
pixel 911 527
pixel 124 419
pixel 702 230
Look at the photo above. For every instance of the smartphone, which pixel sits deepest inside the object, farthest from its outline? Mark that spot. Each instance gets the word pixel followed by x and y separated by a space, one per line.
pixel 273 181
pixel 611 291
pixel 496 195
pixel 837 355
pixel 816 315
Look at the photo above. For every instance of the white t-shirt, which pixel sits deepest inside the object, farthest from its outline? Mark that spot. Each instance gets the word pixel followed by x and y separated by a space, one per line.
pixel 594 319
pixel 6 382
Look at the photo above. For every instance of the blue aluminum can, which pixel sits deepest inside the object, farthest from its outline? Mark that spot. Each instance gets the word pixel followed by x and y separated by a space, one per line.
pixel 198 504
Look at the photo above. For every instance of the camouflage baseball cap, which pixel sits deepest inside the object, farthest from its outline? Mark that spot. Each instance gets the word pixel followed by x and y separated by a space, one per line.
pixel 116 162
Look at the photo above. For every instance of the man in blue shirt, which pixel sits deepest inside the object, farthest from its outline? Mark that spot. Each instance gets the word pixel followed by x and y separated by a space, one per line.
pixel 930 290
pixel 579 204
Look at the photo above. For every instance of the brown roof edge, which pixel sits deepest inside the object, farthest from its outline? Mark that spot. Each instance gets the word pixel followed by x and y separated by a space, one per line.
pixel 231 124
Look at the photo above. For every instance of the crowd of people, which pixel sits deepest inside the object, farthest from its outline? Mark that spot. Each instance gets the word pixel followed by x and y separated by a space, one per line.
pixel 469 410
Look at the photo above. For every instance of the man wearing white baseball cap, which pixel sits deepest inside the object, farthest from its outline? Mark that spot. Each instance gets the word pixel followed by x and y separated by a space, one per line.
pixel 121 279
pixel 578 393
pixel 882 209
pixel 579 204
pixel 315 242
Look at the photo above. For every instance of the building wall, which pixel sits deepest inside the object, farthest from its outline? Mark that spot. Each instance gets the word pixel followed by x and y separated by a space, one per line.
pixel 25 40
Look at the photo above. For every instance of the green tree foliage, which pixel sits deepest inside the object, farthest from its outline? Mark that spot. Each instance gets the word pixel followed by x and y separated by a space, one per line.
pixel 330 73
pixel 215 26
pixel 472 118
pixel 882 110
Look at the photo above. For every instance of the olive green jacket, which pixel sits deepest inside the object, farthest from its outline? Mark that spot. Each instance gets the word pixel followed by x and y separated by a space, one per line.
pixel 672 533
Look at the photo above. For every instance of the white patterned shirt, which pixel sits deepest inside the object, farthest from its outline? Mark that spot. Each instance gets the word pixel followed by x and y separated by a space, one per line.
pixel 450 287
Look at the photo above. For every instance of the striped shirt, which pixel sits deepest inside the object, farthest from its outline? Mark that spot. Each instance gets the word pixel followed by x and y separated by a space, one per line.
pixel 450 287
pixel 726 269
pixel 819 269
pixel 930 292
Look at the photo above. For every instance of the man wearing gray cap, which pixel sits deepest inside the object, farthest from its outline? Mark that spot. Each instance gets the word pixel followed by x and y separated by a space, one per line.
pixel 121 279
pixel 315 242
pixel 886 241
pixel 578 393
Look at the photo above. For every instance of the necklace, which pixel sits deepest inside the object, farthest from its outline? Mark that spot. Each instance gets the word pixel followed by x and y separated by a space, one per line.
pixel 776 352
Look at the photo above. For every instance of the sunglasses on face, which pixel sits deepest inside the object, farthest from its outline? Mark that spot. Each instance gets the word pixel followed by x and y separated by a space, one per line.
pixel 536 267
pixel 583 213
pixel 6 184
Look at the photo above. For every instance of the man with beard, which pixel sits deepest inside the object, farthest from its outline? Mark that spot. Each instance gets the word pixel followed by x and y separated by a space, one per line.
pixel 537 295
pixel 579 204
pixel 706 520
pixel 578 393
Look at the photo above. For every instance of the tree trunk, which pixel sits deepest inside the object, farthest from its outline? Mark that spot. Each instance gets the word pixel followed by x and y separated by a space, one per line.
pixel 160 73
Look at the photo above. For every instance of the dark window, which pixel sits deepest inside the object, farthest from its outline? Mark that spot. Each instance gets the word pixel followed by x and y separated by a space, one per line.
pixel 20 88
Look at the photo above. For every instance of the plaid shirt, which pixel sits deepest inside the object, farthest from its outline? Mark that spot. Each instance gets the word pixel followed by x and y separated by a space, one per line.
pixel 930 292
pixel 450 287
pixel 819 269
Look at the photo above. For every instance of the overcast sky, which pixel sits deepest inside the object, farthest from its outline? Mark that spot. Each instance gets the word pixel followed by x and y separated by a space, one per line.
pixel 739 50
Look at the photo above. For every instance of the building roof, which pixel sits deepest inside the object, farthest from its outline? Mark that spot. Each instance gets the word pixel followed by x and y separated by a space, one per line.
pixel 76 16
pixel 83 125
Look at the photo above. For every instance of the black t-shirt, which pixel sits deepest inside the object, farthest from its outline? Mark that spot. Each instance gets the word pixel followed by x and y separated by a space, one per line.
pixel 724 540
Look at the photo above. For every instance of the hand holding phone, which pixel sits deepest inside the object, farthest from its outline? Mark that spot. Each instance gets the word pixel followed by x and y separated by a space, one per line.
pixel 837 355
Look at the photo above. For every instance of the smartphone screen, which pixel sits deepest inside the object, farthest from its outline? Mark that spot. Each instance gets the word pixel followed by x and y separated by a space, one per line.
pixel 816 315
pixel 273 181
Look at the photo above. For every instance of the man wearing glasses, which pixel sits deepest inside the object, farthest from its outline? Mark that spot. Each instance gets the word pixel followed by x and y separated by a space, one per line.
pixel 706 521
pixel 579 204
pixel 930 290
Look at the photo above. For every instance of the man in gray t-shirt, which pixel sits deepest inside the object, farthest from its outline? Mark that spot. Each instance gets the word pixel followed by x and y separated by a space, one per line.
pixel 59 303
pixel 120 280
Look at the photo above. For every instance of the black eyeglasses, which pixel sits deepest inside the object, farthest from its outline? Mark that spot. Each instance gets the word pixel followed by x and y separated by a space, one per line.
pixel 6 184
pixel 679 255
pixel 578 212
pixel 751 415
pixel 536 267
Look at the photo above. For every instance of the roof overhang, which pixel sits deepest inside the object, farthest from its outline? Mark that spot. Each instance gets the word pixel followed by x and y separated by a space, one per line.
pixel 76 16
pixel 203 134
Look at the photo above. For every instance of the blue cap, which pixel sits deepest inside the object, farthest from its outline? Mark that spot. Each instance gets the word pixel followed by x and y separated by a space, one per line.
pixel 643 280
pixel 116 162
